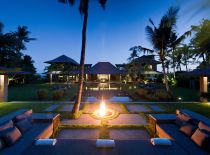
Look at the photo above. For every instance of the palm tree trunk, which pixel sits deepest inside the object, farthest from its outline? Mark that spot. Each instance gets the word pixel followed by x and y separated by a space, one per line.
pixel 164 70
pixel 82 61
pixel 165 77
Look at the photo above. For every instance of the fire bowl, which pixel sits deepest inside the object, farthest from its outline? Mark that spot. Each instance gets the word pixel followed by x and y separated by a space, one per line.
pixel 110 114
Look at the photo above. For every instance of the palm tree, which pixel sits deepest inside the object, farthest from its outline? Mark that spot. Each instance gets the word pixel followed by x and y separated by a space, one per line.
pixel 201 41
pixel 160 36
pixel 83 9
pixel 22 35
pixel 175 41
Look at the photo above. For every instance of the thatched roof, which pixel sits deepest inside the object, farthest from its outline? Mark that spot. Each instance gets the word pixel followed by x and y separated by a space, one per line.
pixel 146 59
pixel 198 72
pixel 63 59
pixel 105 68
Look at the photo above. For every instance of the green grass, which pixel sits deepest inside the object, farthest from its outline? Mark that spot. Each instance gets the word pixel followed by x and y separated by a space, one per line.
pixel 8 107
pixel 201 108
pixel 185 93
pixel 28 92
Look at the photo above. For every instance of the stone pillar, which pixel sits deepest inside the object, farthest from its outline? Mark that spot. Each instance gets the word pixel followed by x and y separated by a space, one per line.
pixel 109 78
pixel 204 84
pixel 203 88
pixel 51 76
pixel 3 88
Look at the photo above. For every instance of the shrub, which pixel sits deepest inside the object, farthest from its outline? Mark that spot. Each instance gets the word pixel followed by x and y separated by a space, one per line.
pixel 42 94
pixel 57 94
pixel 142 92
pixel 163 95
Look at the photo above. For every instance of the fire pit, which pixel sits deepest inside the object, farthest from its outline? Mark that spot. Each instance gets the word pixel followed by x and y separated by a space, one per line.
pixel 104 113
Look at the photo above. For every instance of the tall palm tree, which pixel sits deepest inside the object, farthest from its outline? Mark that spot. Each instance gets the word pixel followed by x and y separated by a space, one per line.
pixel 175 41
pixel 160 36
pixel 201 41
pixel 22 35
pixel 83 9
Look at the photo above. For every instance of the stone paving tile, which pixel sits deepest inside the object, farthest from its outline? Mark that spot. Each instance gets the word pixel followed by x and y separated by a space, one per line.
pixel 51 108
pixel 156 108
pixel 137 108
pixel 66 108
pixel 84 119
pixel 126 119
pixel 78 134
pixel 124 134
pixel 89 108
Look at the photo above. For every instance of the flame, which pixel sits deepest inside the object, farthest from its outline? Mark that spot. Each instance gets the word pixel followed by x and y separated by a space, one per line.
pixel 102 109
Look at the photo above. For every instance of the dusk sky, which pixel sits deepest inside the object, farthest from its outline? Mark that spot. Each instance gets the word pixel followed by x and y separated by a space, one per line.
pixel 110 33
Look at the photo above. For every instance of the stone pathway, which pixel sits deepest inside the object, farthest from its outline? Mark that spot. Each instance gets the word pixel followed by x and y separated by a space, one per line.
pixel 156 108
pixel 78 134
pixel 90 108
pixel 66 108
pixel 137 108
pixel 123 134
pixel 51 108
pixel 84 119
pixel 127 119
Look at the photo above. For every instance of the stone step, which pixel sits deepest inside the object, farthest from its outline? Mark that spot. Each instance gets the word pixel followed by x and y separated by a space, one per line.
pixel 51 108
pixel 156 108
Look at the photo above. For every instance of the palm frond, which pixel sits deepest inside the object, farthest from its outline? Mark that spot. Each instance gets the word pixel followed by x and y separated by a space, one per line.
pixel 71 2
pixel 103 3
pixel 150 34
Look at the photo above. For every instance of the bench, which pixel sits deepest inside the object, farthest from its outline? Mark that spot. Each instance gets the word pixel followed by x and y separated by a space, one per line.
pixel 42 127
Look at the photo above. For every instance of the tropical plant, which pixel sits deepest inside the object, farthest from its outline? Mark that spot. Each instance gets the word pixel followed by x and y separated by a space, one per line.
pixel 83 9
pixel 160 36
pixel 201 41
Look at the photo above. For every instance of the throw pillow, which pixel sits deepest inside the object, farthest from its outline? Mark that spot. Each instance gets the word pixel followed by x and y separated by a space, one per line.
pixel 6 125
pixel 24 125
pixel 11 135
pixel 201 138
pixel 188 129
pixel 204 126
pixel 27 114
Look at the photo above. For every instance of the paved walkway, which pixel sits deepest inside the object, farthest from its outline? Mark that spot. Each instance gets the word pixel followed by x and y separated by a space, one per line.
pixel 66 108
pixel 127 119
pixel 84 119
pixel 79 134
pixel 156 108
pixel 122 134
pixel 137 108
pixel 51 108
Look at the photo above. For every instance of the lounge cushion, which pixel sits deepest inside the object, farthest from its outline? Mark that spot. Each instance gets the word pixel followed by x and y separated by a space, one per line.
pixel 204 126
pixel 24 125
pixel 2 143
pixel 185 142
pixel 28 138
pixel 6 125
pixel 182 119
pixel 27 114
pixel 11 135
pixel 201 138
pixel 188 129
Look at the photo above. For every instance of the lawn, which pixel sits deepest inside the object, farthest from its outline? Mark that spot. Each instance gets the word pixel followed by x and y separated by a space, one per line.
pixel 28 92
pixel 185 93
pixel 7 107
pixel 202 108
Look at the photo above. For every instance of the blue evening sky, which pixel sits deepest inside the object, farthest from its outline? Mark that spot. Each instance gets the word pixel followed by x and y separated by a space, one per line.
pixel 110 33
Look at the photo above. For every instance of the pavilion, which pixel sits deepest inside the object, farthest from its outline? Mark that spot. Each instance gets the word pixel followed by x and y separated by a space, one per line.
pixel 203 75
pixel 4 73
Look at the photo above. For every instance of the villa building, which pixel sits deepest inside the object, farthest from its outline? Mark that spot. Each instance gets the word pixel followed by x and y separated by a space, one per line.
pixel 64 68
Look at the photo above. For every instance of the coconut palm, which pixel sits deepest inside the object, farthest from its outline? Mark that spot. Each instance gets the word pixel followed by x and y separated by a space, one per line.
pixel 175 41
pixel 83 9
pixel 160 36
pixel 201 41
